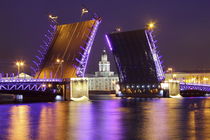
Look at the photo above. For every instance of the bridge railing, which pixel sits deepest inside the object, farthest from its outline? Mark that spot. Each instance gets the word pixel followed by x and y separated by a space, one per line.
pixel 38 85
pixel 193 86
pixel 23 87
pixel 8 80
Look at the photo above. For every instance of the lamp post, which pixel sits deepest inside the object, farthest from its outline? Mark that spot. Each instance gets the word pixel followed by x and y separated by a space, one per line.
pixel 60 63
pixel 53 17
pixel 84 11
pixel 170 71
pixel 19 64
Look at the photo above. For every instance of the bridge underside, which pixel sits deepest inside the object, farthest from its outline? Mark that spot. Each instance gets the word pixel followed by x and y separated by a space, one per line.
pixel 68 51
pixel 137 61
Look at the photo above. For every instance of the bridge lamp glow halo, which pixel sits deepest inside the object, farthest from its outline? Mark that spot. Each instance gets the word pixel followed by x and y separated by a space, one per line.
pixel 20 63
pixel 170 70
pixel 52 17
pixel 84 10
pixel 108 42
pixel 151 25
pixel 59 60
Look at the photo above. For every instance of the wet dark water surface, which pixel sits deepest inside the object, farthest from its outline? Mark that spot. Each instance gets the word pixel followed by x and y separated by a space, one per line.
pixel 145 119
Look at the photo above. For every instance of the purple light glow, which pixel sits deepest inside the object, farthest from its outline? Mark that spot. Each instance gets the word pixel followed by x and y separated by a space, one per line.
pixel 23 86
pixel 83 63
pixel 156 58
pixel 109 43
pixel 40 59
pixel 82 48
pixel 33 69
pixel 192 86
pixel 43 48
pixel 42 55
pixel 27 84
pixel 37 65
pixel 10 80
pixel 45 45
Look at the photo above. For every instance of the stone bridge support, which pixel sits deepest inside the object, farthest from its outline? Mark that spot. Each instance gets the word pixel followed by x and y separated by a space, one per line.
pixel 174 88
pixel 75 88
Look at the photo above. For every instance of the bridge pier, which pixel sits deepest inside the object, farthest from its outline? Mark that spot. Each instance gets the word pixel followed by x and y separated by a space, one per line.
pixel 174 88
pixel 75 88
pixel 171 88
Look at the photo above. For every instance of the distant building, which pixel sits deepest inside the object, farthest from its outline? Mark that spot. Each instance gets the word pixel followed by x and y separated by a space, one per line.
pixel 19 76
pixel 104 79
pixel 197 77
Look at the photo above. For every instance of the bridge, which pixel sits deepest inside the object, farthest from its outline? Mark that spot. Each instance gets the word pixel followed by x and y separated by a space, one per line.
pixel 60 63
pixel 185 89
pixel 192 86
pixel 40 85
pixel 45 89
pixel 138 62
pixel 139 66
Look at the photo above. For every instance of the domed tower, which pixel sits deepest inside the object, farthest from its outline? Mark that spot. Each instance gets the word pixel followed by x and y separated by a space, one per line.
pixel 104 66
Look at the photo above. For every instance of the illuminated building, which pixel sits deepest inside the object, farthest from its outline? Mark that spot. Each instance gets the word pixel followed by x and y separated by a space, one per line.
pixel 104 66
pixel 104 79
pixel 199 77
pixel 19 76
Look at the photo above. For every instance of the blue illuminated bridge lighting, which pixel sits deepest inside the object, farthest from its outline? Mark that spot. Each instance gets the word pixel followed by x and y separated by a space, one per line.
pixel 33 85
pixel 29 80
pixel 192 86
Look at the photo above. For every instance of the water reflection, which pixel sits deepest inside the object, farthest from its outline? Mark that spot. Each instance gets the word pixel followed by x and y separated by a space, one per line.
pixel 163 119
pixel 46 123
pixel 19 123
pixel 95 120
pixel 195 118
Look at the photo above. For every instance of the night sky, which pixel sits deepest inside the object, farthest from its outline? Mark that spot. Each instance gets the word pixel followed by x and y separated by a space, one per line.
pixel 183 28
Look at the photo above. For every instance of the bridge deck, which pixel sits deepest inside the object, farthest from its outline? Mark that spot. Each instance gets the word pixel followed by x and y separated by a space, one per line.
pixel 29 80
pixel 30 85
pixel 193 86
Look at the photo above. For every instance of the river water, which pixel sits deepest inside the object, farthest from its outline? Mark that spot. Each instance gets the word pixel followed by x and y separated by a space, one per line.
pixel 145 119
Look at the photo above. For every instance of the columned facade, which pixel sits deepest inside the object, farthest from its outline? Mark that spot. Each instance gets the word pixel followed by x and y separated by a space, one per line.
pixel 104 79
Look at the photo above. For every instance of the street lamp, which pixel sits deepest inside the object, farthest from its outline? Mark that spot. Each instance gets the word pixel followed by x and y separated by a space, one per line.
pixel 84 10
pixel 19 64
pixel 60 62
pixel 53 17
pixel 151 25
pixel 170 71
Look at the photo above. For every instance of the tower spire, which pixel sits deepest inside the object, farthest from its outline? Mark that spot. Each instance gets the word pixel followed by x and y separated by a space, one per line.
pixel 104 66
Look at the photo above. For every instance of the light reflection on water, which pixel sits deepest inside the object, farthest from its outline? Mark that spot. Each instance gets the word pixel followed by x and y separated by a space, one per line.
pixel 150 119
